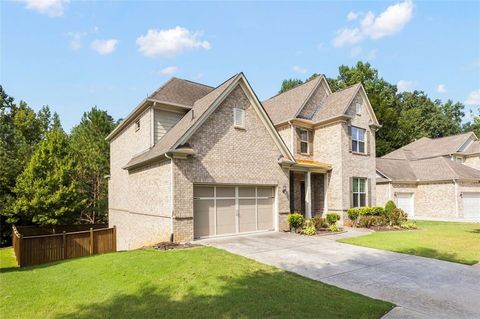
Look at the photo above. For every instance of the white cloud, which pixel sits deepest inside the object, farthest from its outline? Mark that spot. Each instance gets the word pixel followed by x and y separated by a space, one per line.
pixel 355 51
pixel 169 70
pixel 352 15
pixel 405 85
pixel 473 98
pixel 372 55
pixel 298 69
pixel 389 22
pixel 441 88
pixel 76 39
pixel 320 46
pixel 170 42
pixel 52 8
pixel 104 46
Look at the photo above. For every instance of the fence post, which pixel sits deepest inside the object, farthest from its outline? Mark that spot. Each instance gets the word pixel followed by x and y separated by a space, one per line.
pixel 114 238
pixel 64 243
pixel 91 241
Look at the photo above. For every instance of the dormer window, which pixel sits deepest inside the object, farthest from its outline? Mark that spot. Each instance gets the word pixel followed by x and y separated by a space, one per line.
pixel 303 141
pixel 239 117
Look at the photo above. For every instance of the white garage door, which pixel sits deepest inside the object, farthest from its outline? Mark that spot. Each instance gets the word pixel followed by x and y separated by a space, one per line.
pixel 223 210
pixel 405 202
pixel 471 205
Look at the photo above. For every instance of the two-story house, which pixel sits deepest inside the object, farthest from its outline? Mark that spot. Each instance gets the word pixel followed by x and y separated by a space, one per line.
pixel 437 178
pixel 194 161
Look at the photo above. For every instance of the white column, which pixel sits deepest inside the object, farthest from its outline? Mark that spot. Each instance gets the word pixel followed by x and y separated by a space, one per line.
pixel 308 195
pixel 325 192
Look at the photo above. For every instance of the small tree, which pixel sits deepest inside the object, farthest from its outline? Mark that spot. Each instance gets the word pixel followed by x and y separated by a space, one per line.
pixel 47 189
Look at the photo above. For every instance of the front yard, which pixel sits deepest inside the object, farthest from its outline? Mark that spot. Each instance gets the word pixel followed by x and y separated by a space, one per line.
pixel 194 283
pixel 457 242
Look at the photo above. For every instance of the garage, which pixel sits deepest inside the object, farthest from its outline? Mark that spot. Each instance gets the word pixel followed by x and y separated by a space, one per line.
pixel 405 202
pixel 471 205
pixel 225 210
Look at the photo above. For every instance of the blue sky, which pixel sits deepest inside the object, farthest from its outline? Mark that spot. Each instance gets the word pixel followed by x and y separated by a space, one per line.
pixel 73 55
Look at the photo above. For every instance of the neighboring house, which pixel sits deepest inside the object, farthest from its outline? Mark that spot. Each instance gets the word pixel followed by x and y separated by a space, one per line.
pixel 433 177
pixel 194 161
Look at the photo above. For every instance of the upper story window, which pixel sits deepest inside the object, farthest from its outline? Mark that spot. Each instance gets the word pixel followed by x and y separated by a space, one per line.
pixel 239 117
pixel 359 189
pixel 137 125
pixel 358 139
pixel 358 108
pixel 304 141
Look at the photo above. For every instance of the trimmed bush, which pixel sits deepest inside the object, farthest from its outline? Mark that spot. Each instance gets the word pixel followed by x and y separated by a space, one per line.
pixel 319 222
pixel 295 220
pixel 309 228
pixel 397 217
pixel 334 228
pixel 389 206
pixel 367 221
pixel 332 218
pixel 353 214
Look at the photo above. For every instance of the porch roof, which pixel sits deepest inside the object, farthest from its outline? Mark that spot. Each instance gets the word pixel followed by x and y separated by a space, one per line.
pixel 312 165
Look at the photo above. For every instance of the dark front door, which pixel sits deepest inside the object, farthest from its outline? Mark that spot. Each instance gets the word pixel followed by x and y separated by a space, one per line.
pixel 302 197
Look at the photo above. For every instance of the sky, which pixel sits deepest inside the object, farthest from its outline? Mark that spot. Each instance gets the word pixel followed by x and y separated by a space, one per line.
pixel 73 55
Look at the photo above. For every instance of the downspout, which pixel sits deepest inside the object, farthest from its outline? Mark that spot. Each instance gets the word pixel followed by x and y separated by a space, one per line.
pixel 171 195
pixel 456 197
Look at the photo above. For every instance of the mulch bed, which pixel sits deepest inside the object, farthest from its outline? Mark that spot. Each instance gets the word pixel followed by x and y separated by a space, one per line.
pixel 166 245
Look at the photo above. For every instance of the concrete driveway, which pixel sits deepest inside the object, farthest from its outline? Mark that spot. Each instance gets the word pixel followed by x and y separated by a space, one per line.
pixel 421 287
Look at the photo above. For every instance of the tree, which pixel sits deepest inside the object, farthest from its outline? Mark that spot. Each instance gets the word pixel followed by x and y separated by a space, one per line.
pixel 289 84
pixel 47 190
pixel 91 151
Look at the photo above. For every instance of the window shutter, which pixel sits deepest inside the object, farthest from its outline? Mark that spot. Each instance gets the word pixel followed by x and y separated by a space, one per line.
pixel 351 192
pixel 369 192
pixel 367 136
pixel 310 142
pixel 297 140
pixel 349 133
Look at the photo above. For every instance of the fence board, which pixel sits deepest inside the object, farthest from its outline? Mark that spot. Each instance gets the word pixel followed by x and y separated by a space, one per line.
pixel 49 246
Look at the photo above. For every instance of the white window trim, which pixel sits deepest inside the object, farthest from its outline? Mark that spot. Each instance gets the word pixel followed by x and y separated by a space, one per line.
pixel 358 108
pixel 235 122
pixel 357 141
pixel 360 193
pixel 305 141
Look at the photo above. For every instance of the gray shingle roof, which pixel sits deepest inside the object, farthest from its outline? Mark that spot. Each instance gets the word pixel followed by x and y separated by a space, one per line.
pixel 336 103
pixel 179 91
pixel 167 142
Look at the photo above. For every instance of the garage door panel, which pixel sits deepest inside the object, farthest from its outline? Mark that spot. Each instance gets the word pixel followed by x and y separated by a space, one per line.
pixel 471 205
pixel 405 202
pixel 226 220
pixel 247 215
pixel 204 217
pixel 265 213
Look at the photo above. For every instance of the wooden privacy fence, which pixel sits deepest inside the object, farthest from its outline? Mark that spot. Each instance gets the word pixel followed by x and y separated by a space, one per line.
pixel 36 245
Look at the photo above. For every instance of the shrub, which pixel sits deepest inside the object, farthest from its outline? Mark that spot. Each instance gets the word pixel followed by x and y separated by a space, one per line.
pixel 348 223
pixel 353 214
pixel 409 225
pixel 332 218
pixel 309 228
pixel 389 206
pixel 334 228
pixel 397 217
pixel 319 222
pixel 367 221
pixel 371 211
pixel 295 220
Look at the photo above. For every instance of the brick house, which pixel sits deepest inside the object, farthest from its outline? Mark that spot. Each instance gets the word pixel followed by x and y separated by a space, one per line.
pixel 437 178
pixel 194 161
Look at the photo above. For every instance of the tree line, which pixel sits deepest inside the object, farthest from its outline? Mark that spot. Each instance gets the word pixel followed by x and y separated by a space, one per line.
pixel 404 116
pixel 49 177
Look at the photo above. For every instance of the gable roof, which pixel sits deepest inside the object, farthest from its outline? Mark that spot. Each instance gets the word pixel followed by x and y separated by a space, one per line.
pixel 429 169
pixel 285 106
pixel 428 147
pixel 337 103
pixel 180 91
pixel 201 109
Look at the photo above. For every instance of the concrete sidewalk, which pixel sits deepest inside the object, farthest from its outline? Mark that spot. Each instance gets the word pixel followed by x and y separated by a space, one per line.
pixel 421 287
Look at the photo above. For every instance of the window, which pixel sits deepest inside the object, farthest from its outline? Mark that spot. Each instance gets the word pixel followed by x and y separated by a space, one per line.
pixel 358 140
pixel 303 141
pixel 359 190
pixel 459 159
pixel 238 117
pixel 358 108
pixel 137 125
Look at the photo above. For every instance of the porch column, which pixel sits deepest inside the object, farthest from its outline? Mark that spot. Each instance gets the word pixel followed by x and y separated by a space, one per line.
pixel 308 195
pixel 325 193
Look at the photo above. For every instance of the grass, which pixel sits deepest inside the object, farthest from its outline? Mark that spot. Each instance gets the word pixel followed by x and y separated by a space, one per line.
pixel 451 241
pixel 195 283
pixel 7 258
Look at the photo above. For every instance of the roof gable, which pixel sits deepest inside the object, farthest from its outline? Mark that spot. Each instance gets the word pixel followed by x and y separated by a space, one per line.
pixel 182 92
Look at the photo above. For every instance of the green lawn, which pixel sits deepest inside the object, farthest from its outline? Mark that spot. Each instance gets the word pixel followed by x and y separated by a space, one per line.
pixel 457 242
pixel 194 283
pixel 7 258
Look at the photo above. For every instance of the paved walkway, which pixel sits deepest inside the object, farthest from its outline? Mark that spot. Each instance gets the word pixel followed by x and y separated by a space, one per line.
pixel 420 287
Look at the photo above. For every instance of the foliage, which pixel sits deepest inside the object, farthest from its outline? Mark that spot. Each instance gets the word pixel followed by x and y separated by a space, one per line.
pixel 295 220
pixel 334 228
pixel 353 214
pixel 47 190
pixel 367 221
pixel 409 225
pixel 91 152
pixel 319 222
pixel 189 283
pixel 289 84
pixel 309 228
pixel 389 206
pixel 441 240
pixel 332 218
pixel 397 217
